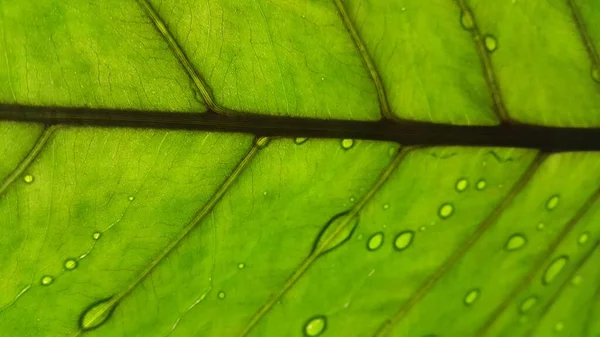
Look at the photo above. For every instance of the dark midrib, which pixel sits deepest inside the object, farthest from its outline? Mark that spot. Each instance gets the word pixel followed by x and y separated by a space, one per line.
pixel 549 139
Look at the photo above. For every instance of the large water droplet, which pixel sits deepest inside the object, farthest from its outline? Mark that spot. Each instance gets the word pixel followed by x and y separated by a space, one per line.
pixel 552 202
pixel 596 74
pixel 481 184
pixel 583 238
pixel 96 314
pixel 490 43
pixel 28 178
pixel 471 296
pixel 375 241
pixel 70 264
pixel 461 185
pixel 46 280
pixel 554 269
pixel 222 295
pixel 96 235
pixel 446 210
pixel 315 326
pixel 527 304
pixel 347 143
pixel 403 240
pixel 466 20
pixel 336 232
pixel 300 140
pixel 515 241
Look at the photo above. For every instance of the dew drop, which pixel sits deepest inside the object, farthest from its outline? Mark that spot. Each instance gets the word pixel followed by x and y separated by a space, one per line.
pixel 47 280
pixel 96 235
pixel 446 211
pixel 490 43
pixel 97 314
pixel 262 142
pixel 554 269
pixel 466 20
pixel 515 242
pixel 471 296
pixel 315 326
pixel 559 326
pixel 576 279
pixel 347 143
pixel 222 295
pixel 241 266
pixel 583 238
pixel 403 240
pixel 481 185
pixel 552 202
pixel 386 206
pixel 352 199
pixel 527 304
pixel 70 264
pixel 131 198
pixel 461 185
pixel 300 140
pixel 540 226
pixel 422 228
pixel 596 74
pixel 375 241
pixel 28 178
pixel 332 236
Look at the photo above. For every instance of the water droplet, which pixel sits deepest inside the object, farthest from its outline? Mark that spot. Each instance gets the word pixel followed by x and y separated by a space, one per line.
pixel 554 269
pixel 552 202
pixel 471 296
pixel 446 211
pixel 70 264
pixel 315 326
pixel 262 142
pixel 481 184
pixel 596 74
pixel 392 151
pixel 347 143
pixel 131 198
pixel 490 43
pixel 352 199
pixel 466 20
pixel 375 241
pixel 528 303
pixel 461 185
pixel 221 295
pixel 300 140
pixel 386 206
pixel 28 178
pixel 576 279
pixel 47 280
pixel 583 238
pixel 332 236
pixel 403 240
pixel 515 241
pixel 265 193
pixel 540 226
pixel 359 237
pixel 422 228
pixel 559 326
pixel 96 314
pixel 96 235
pixel 241 266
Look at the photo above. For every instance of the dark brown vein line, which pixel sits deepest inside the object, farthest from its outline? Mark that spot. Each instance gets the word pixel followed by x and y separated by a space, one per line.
pixel 562 287
pixel 367 60
pixel 319 249
pixel 491 219
pixel 585 37
pixel 200 83
pixel 31 156
pixel 549 139
pixel 539 263
pixel 115 300
pixel 486 63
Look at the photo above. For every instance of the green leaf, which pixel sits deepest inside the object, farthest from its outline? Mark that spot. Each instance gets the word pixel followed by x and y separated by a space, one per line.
pixel 299 168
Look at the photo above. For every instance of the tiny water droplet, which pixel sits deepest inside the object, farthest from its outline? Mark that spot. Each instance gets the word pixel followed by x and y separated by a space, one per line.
pixel 403 9
pixel 481 184
pixel 559 326
pixel 347 143
pixel 583 238
pixel 403 240
pixel 47 280
pixel 262 142
pixel 528 303
pixel 96 235
pixel 490 43
pixel 386 206
pixel 131 198
pixel 222 295
pixel 28 178
pixel 540 226
pixel 332 235
pixel 70 264
pixel 359 237
pixel 315 326
pixel 422 228
pixel 461 184
pixel 375 241
pixel 552 202
pixel 466 20
pixel 515 242
pixel 96 314
pixel 300 140
pixel 241 266
pixel 392 151
pixel 576 279
pixel 265 193
pixel 596 74
pixel 446 210
pixel 352 199
pixel 471 296
pixel 554 269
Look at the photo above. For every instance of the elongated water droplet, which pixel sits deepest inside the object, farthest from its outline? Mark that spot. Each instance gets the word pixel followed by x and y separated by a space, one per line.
pixel 315 326
pixel 528 303
pixel 583 238
pixel 46 280
pixel 70 264
pixel 97 314
pixel 554 269
pixel 403 240
pixel 466 20
pixel 515 241
pixel 28 178
pixel 481 184
pixel 471 296
pixel 375 241
pixel 446 210
pixel 461 185
pixel 552 202
pixel 596 74
pixel 262 142
pixel 300 140
pixel 96 235
pixel 336 232
pixel 347 143
pixel 222 295
pixel 490 43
